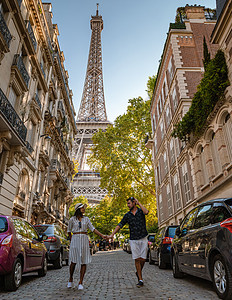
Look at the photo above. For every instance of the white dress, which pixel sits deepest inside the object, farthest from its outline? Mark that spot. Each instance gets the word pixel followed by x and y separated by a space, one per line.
pixel 79 252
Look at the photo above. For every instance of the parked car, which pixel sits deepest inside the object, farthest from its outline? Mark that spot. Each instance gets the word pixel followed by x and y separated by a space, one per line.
pixel 92 247
pixel 125 244
pixel 57 244
pixel 160 248
pixel 202 245
pixel 21 251
pixel 150 240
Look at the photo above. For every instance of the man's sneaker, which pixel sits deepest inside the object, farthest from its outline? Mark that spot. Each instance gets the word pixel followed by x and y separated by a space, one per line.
pixel 139 284
pixel 80 287
pixel 70 285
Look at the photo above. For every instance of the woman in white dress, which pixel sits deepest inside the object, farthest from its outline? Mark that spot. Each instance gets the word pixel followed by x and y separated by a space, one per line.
pixel 79 252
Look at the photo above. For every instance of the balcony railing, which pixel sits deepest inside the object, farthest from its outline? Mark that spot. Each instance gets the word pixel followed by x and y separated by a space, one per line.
pixel 37 100
pixel 11 116
pixel 18 61
pixel 29 147
pixel 31 34
pixel 4 30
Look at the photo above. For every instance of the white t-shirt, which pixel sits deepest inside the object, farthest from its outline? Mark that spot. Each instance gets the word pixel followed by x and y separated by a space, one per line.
pixel 74 225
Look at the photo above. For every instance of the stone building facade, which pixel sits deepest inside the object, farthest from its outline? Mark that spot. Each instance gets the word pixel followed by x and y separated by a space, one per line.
pixel 180 71
pixel 37 122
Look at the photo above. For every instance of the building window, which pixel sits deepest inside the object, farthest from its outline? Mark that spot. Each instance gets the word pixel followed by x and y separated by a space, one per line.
pixel 162 130
pixel 203 164
pixel 153 123
pixel 165 163
pixel 215 156
pixel 169 199
pixel 172 152
pixel 168 115
pixel 176 192
pixel 186 182
pixel 31 133
pixel 227 130
pixel 12 97
pixel 170 70
pixel 161 207
pixel 158 174
pixel 174 99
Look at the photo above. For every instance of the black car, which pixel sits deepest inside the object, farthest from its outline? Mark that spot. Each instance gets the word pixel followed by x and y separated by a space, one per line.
pixel 150 240
pixel 160 248
pixel 57 243
pixel 202 245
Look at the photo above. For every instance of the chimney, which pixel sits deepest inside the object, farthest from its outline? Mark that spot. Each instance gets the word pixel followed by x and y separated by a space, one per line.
pixel 195 12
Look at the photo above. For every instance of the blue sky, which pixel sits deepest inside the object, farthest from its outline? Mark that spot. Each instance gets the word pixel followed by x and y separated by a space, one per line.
pixel 132 42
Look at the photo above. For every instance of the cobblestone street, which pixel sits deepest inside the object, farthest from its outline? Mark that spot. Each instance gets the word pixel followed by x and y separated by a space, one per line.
pixel 111 275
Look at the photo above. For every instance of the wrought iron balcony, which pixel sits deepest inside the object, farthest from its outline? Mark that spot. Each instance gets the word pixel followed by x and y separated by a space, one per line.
pixel 4 30
pixel 42 69
pixel 37 100
pixel 31 34
pixel 1 178
pixel 11 116
pixel 18 62
pixel 29 147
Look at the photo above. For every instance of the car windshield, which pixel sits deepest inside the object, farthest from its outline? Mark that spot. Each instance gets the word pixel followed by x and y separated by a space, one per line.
pixel 171 231
pixel 44 229
pixel 3 224
pixel 229 203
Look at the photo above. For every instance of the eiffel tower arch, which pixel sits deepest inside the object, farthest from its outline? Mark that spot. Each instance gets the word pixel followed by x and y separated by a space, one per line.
pixel 91 118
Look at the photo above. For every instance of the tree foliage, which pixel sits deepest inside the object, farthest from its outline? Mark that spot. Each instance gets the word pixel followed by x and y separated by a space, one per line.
pixel 209 91
pixel 151 85
pixel 122 159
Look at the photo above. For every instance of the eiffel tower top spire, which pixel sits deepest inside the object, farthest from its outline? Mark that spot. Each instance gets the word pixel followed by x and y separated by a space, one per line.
pixel 92 108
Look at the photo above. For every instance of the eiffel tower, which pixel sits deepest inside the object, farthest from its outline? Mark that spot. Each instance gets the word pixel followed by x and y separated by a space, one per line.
pixel 91 117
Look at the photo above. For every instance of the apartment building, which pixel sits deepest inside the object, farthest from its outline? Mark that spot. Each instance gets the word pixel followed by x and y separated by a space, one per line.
pixel 37 122
pixel 180 71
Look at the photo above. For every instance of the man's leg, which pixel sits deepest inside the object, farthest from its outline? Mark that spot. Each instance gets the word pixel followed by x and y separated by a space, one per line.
pixel 71 271
pixel 142 263
pixel 82 273
pixel 138 268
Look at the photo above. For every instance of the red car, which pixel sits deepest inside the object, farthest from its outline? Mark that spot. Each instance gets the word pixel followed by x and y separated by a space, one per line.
pixel 21 251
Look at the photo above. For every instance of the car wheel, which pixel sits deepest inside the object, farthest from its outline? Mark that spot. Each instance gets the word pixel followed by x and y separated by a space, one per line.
pixel 175 268
pixel 42 272
pixel 58 263
pixel 13 280
pixel 222 279
pixel 151 261
pixel 161 263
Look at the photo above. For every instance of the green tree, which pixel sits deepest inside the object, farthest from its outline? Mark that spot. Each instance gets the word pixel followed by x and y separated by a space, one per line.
pixel 122 159
pixel 151 85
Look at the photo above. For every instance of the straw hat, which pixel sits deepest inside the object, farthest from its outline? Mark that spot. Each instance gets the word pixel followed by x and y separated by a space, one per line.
pixel 80 205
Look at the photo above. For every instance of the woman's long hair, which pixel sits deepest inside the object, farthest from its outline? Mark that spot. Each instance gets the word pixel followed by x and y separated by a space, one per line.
pixel 78 213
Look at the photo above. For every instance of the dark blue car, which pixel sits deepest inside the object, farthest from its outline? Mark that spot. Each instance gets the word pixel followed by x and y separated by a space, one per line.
pixel 160 246
pixel 202 245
